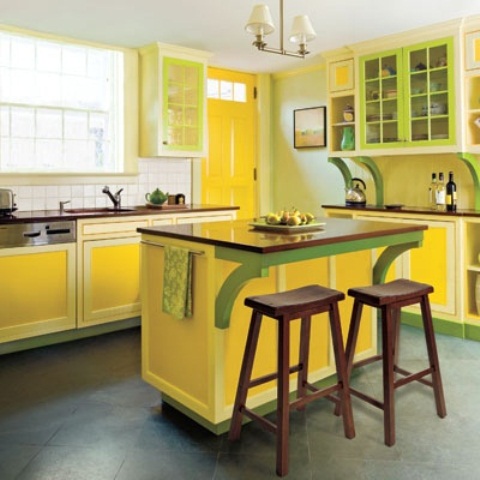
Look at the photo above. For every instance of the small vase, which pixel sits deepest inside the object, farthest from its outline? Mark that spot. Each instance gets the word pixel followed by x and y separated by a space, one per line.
pixel 348 139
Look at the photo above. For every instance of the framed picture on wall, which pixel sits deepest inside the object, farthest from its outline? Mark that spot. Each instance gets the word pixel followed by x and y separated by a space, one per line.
pixel 309 127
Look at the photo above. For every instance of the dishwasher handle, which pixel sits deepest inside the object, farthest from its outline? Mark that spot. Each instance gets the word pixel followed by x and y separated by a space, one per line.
pixel 32 234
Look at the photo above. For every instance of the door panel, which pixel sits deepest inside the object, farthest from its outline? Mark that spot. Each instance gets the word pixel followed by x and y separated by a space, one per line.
pixel 228 172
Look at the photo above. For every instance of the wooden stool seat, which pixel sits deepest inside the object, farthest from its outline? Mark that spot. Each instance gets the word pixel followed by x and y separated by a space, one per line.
pixel 389 298
pixel 284 307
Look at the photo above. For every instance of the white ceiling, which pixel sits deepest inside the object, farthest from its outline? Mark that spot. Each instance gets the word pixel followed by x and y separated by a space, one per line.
pixel 218 25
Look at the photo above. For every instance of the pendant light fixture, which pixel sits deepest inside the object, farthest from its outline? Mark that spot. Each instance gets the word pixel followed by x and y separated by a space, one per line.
pixel 260 24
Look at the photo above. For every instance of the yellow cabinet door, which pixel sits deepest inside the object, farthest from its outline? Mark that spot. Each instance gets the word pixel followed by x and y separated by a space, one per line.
pixel 434 263
pixel 111 280
pixel 37 291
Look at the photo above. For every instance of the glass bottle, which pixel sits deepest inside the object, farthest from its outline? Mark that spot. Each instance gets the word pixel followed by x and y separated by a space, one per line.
pixel 451 194
pixel 432 192
pixel 441 197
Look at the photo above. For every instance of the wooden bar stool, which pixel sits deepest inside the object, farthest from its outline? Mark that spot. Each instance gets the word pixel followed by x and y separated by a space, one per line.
pixel 389 298
pixel 285 307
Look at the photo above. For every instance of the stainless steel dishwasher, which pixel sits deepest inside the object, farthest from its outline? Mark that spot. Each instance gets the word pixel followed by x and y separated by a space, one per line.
pixel 37 233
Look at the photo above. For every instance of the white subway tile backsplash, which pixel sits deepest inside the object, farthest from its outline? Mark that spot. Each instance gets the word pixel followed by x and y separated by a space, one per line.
pixel 170 175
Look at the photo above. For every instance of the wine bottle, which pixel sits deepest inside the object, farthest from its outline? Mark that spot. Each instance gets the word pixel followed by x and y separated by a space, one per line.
pixel 451 194
pixel 441 197
pixel 432 192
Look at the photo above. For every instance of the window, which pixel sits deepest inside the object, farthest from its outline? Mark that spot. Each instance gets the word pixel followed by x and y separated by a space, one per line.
pixel 61 106
pixel 228 91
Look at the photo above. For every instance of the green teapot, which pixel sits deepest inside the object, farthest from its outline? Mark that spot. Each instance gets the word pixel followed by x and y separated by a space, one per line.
pixel 157 197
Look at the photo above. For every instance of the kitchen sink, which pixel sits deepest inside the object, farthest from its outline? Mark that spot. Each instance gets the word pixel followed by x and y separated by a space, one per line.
pixel 79 211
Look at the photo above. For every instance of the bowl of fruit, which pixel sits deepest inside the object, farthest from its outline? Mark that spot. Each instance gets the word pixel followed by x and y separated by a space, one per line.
pixel 288 221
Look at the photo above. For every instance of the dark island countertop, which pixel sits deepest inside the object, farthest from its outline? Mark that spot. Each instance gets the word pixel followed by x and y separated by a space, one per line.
pixel 240 235
pixel 125 211
pixel 398 208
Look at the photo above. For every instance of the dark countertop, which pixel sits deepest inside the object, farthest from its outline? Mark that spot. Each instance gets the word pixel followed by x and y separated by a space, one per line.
pixel 404 209
pixel 240 235
pixel 76 214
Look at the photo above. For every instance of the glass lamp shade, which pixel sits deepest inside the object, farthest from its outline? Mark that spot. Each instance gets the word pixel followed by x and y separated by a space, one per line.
pixel 302 30
pixel 260 21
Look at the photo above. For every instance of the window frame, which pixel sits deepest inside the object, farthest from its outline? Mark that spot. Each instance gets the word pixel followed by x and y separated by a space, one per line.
pixel 127 130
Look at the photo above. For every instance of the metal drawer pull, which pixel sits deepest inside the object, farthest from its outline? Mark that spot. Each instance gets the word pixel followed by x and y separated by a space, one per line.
pixel 194 252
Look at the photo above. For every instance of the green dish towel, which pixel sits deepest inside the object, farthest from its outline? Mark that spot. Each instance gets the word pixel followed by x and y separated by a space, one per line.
pixel 177 282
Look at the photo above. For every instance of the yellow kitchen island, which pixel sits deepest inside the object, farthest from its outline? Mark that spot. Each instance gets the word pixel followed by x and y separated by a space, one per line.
pixel 195 361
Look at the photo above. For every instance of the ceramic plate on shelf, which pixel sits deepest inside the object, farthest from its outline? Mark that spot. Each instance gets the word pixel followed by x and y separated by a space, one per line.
pixel 308 227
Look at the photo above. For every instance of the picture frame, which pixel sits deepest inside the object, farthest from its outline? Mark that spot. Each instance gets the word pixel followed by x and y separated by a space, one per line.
pixel 341 75
pixel 309 127
pixel 472 51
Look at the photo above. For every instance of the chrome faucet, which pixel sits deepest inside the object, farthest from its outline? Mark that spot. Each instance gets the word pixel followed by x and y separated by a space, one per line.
pixel 116 199
pixel 62 205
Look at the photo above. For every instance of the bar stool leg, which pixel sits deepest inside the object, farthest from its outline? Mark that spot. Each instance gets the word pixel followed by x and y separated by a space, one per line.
pixel 342 372
pixel 305 328
pixel 396 314
pixel 283 410
pixel 245 375
pixel 388 342
pixel 433 357
pixel 351 342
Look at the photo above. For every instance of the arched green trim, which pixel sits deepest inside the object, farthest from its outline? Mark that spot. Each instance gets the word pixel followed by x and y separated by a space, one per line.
pixel 376 175
pixel 473 165
pixel 344 170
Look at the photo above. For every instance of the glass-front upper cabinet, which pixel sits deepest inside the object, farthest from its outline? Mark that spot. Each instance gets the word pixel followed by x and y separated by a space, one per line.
pixel 172 101
pixel 407 97
pixel 183 108
pixel 380 99
pixel 430 93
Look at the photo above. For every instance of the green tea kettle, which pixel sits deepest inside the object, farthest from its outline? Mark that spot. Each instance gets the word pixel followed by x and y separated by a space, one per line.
pixel 157 197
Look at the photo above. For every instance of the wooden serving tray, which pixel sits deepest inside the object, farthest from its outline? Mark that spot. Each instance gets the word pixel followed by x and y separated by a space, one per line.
pixel 166 206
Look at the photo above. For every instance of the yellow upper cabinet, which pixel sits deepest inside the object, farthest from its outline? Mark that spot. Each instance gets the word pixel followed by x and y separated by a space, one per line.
pixel 407 97
pixel 172 101
pixel 341 99
pixel 471 76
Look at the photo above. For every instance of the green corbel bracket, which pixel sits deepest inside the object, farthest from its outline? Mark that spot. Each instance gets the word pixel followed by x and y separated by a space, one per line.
pixel 232 286
pixel 376 175
pixel 473 165
pixel 344 170
pixel 387 257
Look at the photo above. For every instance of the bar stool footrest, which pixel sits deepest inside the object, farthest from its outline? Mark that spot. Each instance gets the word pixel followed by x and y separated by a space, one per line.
pixel 264 422
pixel 412 377
pixel 367 398
pixel 255 382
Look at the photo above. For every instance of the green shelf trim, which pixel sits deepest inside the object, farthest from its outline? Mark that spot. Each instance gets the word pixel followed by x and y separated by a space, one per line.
pixel 376 175
pixel 344 170
pixel 473 165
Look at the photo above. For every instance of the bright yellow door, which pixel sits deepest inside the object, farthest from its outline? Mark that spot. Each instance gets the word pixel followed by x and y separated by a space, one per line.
pixel 228 173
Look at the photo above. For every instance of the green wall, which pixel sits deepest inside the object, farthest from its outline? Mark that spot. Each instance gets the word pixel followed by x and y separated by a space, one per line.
pixel 302 178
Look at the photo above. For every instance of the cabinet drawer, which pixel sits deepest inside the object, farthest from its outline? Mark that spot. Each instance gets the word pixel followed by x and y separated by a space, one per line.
pixel 129 226
pixel 200 219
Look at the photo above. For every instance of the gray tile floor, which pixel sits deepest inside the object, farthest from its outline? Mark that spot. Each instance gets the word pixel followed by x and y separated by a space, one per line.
pixel 81 411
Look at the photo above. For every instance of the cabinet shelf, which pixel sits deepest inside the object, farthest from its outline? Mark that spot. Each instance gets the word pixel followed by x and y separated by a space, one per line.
pixel 343 124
